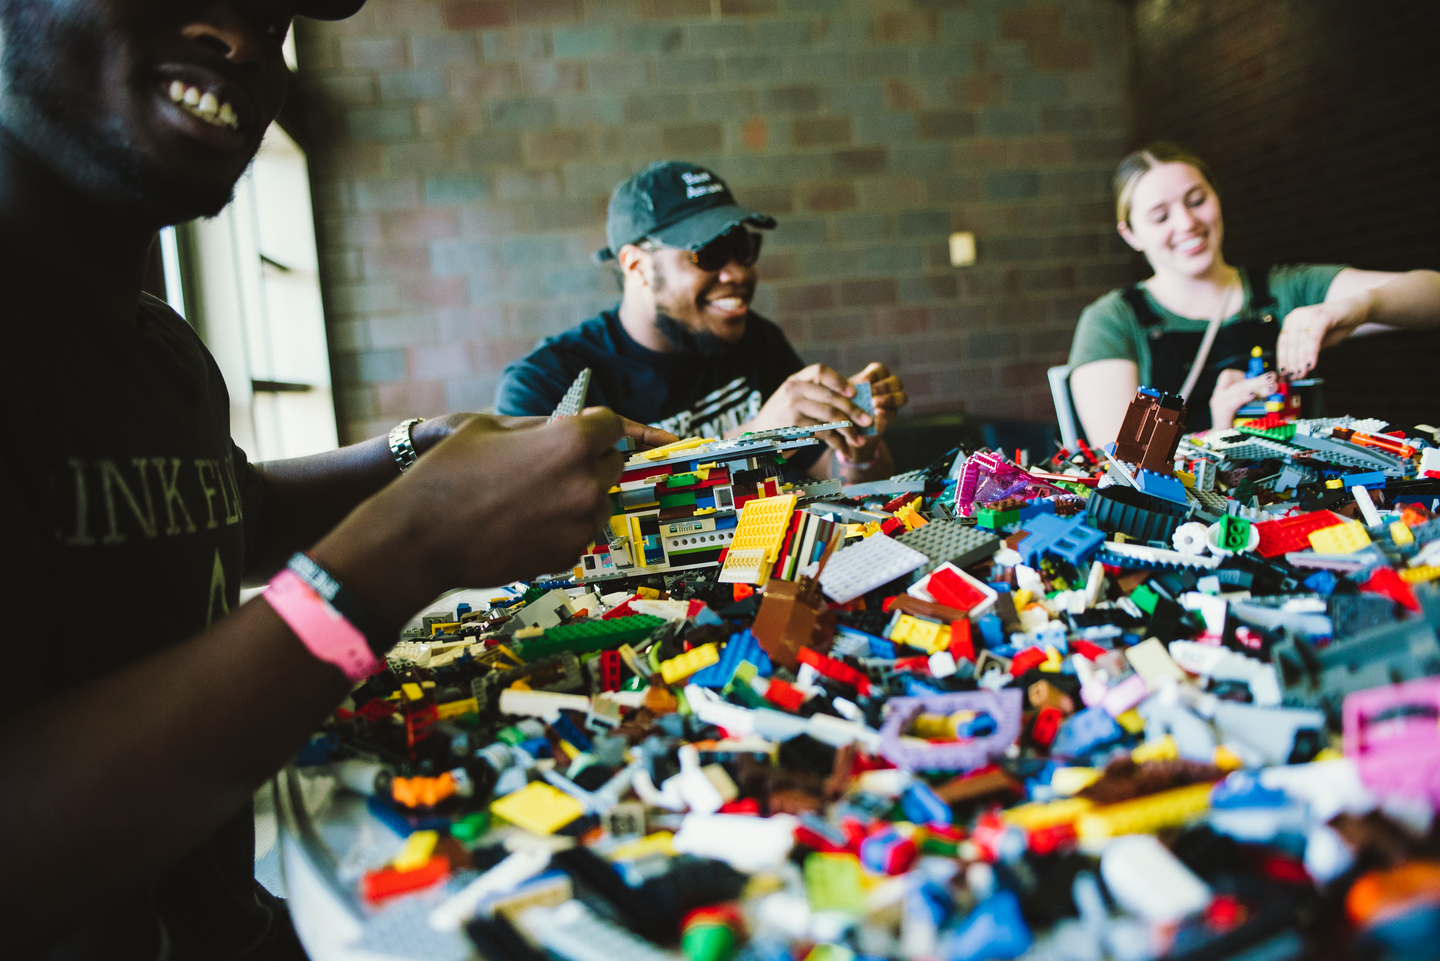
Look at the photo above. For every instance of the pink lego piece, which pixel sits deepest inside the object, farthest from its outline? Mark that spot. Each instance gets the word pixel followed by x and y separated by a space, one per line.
pixel 1392 734
pixel 1125 695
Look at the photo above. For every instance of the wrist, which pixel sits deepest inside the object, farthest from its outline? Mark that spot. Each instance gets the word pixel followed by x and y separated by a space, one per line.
pixel 374 553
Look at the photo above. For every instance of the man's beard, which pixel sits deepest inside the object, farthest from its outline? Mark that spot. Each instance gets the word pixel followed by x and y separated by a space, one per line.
pixel 102 162
pixel 687 341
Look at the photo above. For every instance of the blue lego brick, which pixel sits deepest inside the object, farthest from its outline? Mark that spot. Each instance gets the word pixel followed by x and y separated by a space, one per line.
pixel 741 647
pixel 1158 485
pixel 1067 538
pixel 923 806
pixel 405 823
pixel 1150 392
pixel 727 522
pixel 566 728
pixel 1321 582
pixel 994 929
pixel 702 502
pixel 1040 507
pixel 1370 480
pixel 992 631
pixel 1084 732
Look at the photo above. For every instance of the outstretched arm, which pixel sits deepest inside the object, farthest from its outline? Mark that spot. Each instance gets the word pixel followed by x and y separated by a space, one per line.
pixel 1356 298
pixel 1102 391
pixel 147 762
pixel 305 497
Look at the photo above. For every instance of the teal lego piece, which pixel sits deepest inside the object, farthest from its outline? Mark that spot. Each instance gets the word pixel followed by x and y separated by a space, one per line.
pixel 586 636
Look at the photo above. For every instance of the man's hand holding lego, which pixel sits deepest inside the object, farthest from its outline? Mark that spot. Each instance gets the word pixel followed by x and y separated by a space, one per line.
pixel 819 395
pixel 491 503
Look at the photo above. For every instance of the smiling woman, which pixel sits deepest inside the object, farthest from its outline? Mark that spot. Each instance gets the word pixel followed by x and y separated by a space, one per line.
pixel 1199 326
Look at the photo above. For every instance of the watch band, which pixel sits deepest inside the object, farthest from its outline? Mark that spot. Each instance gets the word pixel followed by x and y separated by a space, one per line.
pixel 402 448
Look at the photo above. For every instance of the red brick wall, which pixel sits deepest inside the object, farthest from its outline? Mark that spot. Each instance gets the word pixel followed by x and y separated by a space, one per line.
pixel 1321 120
pixel 465 150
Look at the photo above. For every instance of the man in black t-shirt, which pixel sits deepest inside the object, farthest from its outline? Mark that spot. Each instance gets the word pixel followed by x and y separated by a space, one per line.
pixel 143 704
pixel 683 351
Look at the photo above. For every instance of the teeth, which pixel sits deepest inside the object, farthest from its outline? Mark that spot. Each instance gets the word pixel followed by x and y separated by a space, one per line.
pixel 728 303
pixel 206 106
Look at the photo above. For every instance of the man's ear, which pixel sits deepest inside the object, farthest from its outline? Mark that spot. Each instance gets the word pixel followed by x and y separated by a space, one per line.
pixel 634 265
pixel 1128 235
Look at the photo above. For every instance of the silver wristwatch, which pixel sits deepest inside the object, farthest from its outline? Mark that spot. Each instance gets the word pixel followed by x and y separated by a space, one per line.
pixel 401 447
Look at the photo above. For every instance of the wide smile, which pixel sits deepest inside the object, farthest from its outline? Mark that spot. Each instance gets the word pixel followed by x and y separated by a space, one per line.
pixel 731 305
pixel 206 107
pixel 1192 246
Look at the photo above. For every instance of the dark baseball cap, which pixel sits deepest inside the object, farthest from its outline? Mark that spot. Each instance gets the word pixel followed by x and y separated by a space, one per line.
pixel 327 9
pixel 678 204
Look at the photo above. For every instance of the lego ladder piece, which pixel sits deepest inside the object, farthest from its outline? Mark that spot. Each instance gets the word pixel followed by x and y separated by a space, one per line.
pixel 758 535
pixel 1004 706
pixel 872 563
pixel 574 400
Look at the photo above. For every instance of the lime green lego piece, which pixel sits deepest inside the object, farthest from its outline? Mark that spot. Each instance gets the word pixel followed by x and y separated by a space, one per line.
pixel 584 636
pixel 471 826
pixel 1145 598
pixel 833 883
pixel 1282 433
pixel 995 520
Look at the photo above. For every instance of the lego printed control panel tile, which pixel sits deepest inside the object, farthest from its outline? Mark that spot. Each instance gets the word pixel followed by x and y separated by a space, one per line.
pixel 862 567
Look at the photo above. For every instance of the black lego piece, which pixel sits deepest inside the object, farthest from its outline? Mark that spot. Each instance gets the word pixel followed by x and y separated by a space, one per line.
pixel 1133 513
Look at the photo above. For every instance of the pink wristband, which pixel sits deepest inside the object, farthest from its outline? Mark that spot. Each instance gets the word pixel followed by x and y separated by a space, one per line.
pixel 320 627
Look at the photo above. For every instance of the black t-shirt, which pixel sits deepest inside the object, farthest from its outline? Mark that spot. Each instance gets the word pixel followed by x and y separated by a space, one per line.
pixel 128 516
pixel 690 395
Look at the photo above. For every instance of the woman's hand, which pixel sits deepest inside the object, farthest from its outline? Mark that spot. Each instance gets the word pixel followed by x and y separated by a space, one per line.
pixel 1233 391
pixel 1309 329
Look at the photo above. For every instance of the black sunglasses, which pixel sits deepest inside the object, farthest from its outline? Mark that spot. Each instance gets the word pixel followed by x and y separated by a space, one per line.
pixel 738 244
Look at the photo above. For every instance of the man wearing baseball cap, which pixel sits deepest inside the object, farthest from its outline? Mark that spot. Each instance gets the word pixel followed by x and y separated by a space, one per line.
pixel 684 351
pixel 144 704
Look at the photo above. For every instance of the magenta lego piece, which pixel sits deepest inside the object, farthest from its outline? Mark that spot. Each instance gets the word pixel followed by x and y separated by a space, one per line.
pixel 989 477
pixel 1003 706
pixel 1391 733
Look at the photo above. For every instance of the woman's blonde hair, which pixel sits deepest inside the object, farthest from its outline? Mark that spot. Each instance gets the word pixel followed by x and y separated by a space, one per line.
pixel 1139 163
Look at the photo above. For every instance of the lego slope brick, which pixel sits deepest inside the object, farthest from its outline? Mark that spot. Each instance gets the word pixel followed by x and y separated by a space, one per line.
pixel 862 567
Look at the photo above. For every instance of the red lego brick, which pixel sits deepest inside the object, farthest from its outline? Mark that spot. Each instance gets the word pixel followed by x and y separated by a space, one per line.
pixel 1026 659
pixel 1292 533
pixel 1047 725
pixel 962 645
pixel 835 670
pixel 609 663
pixel 952 590
pixel 1386 582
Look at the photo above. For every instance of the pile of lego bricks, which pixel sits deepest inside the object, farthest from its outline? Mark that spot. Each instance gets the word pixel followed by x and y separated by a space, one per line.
pixel 1172 699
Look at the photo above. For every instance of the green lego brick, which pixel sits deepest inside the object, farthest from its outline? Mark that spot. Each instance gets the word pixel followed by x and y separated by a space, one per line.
pixel 1282 433
pixel 533 593
pixel 682 480
pixel 683 499
pixel 1145 598
pixel 995 520
pixel 587 636
pixel 1234 533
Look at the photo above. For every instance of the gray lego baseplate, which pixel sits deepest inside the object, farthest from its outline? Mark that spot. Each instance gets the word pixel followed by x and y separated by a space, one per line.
pixel 872 563
pixel 952 542
pixel 574 400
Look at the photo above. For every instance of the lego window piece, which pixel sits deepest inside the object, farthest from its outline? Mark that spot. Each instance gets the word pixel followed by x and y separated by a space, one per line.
pixel 762 527
pixel 574 400
pixel 950 542
pixel 862 567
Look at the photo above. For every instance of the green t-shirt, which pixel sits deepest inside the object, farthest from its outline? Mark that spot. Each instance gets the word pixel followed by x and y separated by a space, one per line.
pixel 1109 329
